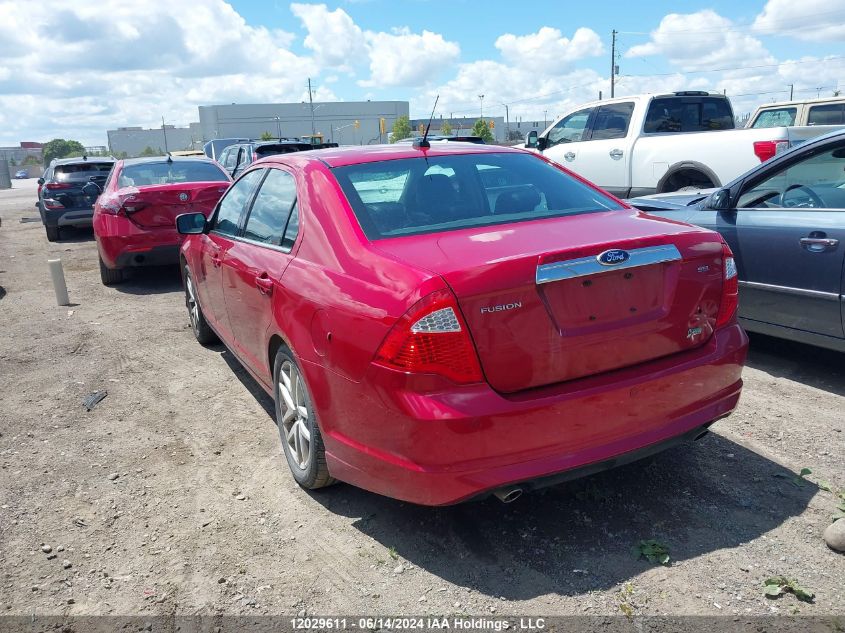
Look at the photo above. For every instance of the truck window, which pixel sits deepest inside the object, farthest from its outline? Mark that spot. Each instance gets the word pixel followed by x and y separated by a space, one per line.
pixel 776 117
pixel 612 121
pixel 830 114
pixel 688 114
pixel 571 128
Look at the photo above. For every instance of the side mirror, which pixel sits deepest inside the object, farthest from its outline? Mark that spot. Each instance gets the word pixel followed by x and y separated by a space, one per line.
pixel 190 223
pixel 720 200
pixel 531 141
pixel 40 181
pixel 91 189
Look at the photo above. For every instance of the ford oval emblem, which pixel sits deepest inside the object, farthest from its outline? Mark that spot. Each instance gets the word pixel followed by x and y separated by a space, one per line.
pixel 613 257
pixel 183 197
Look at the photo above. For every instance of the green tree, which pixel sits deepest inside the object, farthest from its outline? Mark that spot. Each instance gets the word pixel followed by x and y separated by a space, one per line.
pixel 30 160
pixel 401 129
pixel 446 128
pixel 13 162
pixel 266 136
pixel 149 151
pixel 482 128
pixel 59 148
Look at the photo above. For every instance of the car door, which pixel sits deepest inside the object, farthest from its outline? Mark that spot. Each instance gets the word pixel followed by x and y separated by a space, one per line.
pixel 214 246
pixel 603 157
pixel 788 235
pixel 567 137
pixel 255 263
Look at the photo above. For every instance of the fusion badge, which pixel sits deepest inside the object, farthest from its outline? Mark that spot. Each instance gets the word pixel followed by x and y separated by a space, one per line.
pixel 501 307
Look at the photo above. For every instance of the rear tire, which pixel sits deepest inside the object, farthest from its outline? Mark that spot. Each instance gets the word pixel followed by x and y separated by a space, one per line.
pixel 296 419
pixel 53 233
pixel 109 276
pixel 202 330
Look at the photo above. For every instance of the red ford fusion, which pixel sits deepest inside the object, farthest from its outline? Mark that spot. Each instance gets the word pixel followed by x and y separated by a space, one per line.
pixel 437 324
pixel 135 216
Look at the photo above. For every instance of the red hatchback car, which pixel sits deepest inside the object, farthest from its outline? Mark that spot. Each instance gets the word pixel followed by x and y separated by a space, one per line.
pixel 135 216
pixel 441 323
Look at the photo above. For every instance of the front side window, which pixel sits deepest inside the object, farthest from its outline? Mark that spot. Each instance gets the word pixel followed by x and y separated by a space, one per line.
pixel 816 182
pixel 612 121
pixel 271 209
pixel 830 114
pixel 414 196
pixel 233 202
pixel 779 117
pixel 570 129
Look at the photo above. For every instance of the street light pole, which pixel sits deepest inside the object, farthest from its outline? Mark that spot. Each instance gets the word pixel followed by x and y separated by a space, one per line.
pixel 278 126
pixel 311 101
pixel 481 98
pixel 164 132
pixel 507 123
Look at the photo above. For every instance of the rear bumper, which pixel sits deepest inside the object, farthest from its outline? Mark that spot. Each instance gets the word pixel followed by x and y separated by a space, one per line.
pixel 68 217
pixel 446 446
pixel 123 244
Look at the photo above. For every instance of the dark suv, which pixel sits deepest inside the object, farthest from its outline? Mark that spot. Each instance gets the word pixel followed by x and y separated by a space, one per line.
pixel 61 198
pixel 239 156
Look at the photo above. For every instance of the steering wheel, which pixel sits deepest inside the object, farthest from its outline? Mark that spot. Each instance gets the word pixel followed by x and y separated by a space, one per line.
pixel 817 202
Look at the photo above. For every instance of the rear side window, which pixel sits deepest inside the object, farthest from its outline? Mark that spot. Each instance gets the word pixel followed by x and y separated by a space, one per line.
pixel 688 114
pixel 612 121
pixel 81 171
pixel 779 117
pixel 427 195
pixel 165 173
pixel 228 214
pixel 272 209
pixel 831 114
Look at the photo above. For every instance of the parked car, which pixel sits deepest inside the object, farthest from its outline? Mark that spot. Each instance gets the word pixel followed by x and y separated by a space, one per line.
pixel 134 219
pixel 237 157
pixel 214 147
pixel 439 138
pixel 21 174
pixel 62 198
pixel 437 324
pixel 827 111
pixel 640 145
pixel 785 220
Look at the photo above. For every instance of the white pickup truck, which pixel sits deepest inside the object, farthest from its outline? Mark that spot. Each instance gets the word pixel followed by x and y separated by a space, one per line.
pixel 645 144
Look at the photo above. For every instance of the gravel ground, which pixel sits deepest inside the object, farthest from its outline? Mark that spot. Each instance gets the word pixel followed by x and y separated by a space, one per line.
pixel 172 496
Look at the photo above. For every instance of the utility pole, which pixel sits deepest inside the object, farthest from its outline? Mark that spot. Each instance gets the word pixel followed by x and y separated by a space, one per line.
pixel 507 123
pixel 164 132
pixel 612 62
pixel 481 98
pixel 791 88
pixel 311 101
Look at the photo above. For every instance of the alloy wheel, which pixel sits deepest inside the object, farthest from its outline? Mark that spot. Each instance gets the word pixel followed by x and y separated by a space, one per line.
pixel 193 306
pixel 294 409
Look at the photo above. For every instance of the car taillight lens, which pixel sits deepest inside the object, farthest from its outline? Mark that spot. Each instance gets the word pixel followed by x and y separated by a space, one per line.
pixel 764 150
pixel 51 203
pixel 730 288
pixel 52 186
pixel 432 338
pixel 132 206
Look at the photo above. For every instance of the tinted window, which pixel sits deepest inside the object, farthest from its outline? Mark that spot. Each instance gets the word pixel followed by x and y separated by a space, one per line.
pixel 832 114
pixel 418 195
pixel 612 121
pixel 292 228
pixel 165 173
pixel 775 118
pixel 81 171
pixel 271 208
pixel 688 114
pixel 229 159
pixel 232 204
pixel 570 128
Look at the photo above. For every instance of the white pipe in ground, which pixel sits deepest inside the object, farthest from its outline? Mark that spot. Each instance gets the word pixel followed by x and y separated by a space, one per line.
pixel 59 284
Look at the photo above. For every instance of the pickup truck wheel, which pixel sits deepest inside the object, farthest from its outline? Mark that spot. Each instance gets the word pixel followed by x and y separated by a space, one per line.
pixel 686 180
pixel 109 276
pixel 52 233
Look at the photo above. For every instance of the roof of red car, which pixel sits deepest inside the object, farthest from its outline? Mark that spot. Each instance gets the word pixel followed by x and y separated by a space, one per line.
pixel 353 155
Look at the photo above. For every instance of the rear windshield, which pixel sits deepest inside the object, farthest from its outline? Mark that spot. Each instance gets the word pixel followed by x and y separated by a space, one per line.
pixel 81 171
pixel 413 196
pixel 165 173
pixel 688 114
pixel 282 148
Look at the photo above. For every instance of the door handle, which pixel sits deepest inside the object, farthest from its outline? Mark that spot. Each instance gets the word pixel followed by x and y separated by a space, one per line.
pixel 616 153
pixel 264 284
pixel 818 244
pixel 570 156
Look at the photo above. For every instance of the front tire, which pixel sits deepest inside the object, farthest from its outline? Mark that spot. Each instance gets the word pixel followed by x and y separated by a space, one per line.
pixel 109 276
pixel 297 422
pixel 202 330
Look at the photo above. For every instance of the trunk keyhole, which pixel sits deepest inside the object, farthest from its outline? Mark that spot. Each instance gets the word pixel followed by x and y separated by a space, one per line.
pixel 587 283
pixel 629 275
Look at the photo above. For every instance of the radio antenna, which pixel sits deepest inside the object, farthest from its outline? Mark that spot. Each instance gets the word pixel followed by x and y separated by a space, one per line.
pixel 423 143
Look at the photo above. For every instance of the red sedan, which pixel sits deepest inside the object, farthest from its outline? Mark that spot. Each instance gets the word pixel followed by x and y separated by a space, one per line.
pixel 135 216
pixel 441 323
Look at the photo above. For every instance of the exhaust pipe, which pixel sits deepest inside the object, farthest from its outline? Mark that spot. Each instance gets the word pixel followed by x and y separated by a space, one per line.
pixel 508 495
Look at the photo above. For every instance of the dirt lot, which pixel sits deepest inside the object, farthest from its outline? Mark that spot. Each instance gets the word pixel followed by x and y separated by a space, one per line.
pixel 202 516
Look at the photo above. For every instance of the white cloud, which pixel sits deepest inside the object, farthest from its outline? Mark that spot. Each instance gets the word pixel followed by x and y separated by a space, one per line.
pixel 547 49
pixel 403 58
pixel 810 20
pixel 700 41
pixel 332 35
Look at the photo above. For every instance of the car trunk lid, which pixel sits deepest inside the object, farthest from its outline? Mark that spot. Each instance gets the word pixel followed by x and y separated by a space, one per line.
pixel 158 205
pixel 541 307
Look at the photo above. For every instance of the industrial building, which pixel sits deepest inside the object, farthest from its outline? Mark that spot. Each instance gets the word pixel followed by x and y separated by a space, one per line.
pixel 344 122
pixel 132 141
pixel 519 129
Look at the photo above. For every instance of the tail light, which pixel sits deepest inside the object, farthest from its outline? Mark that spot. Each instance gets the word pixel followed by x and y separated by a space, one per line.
pixel 53 186
pixel 432 338
pixel 764 150
pixel 730 288
pixel 52 203
pixel 132 204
